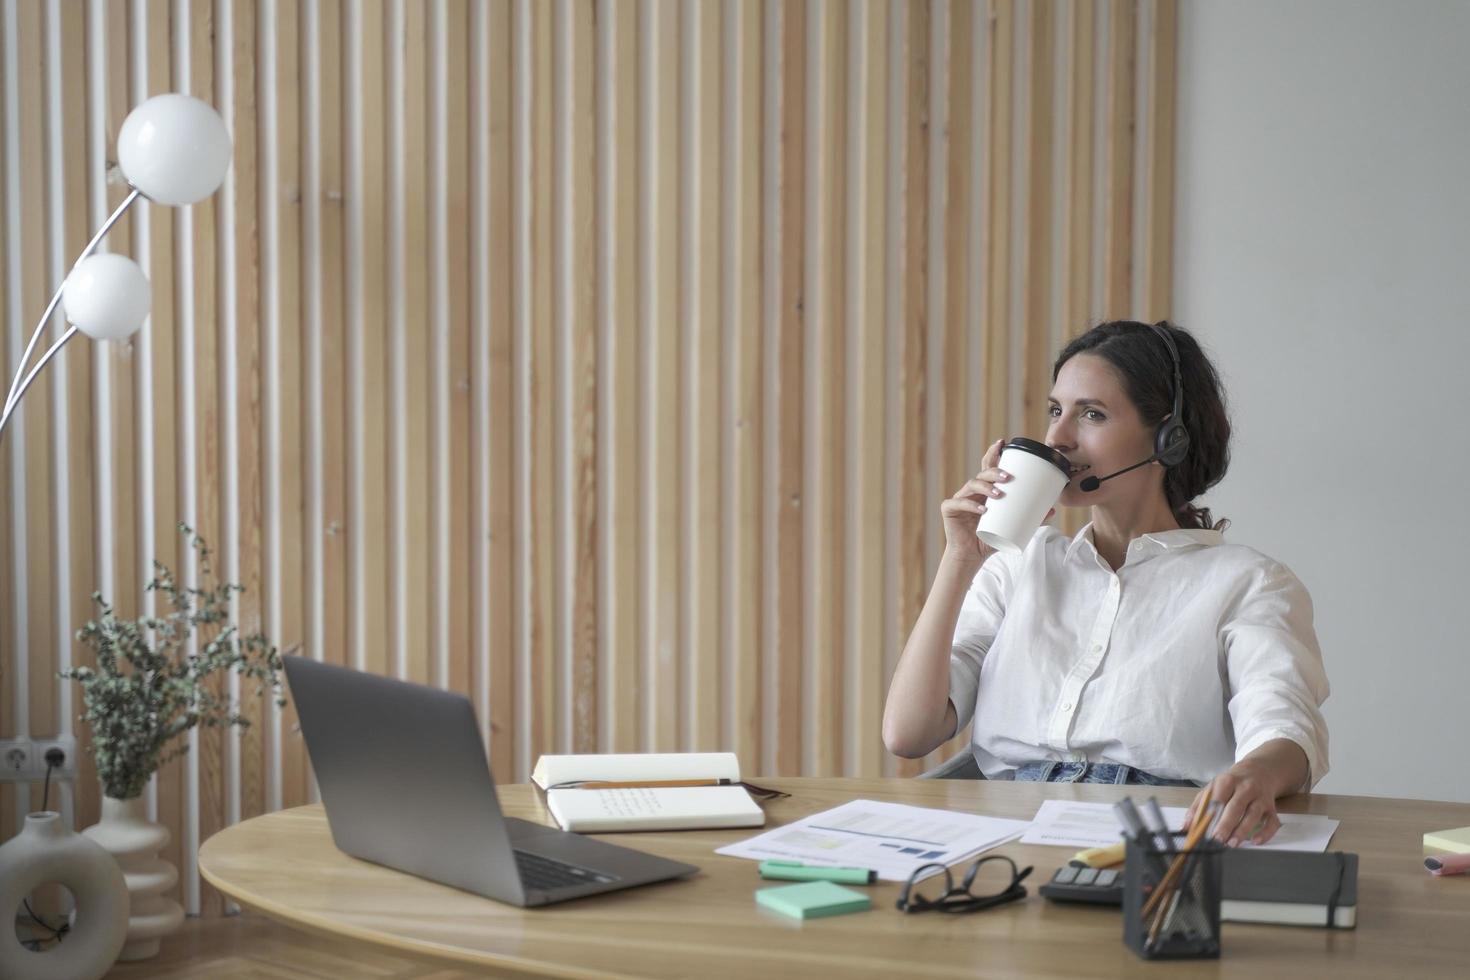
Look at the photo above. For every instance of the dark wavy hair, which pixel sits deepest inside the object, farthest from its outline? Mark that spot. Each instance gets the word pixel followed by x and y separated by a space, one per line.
pixel 1142 361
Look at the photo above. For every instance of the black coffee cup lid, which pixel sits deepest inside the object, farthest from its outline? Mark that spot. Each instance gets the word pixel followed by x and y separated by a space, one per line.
pixel 1044 451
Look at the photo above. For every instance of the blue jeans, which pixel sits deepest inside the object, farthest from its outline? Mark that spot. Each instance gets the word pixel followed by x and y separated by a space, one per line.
pixel 1088 772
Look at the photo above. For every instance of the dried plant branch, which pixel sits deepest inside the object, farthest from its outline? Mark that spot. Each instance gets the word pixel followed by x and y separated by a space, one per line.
pixel 147 690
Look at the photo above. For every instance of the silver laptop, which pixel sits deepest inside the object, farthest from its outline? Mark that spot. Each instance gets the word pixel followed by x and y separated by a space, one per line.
pixel 405 783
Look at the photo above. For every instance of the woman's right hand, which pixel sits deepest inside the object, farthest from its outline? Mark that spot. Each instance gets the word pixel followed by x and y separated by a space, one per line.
pixel 962 511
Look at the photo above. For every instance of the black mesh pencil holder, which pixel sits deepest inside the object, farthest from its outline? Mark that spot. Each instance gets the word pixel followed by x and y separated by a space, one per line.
pixel 1171 899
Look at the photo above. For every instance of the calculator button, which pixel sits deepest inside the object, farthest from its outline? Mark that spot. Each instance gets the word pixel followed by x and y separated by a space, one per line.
pixel 1086 876
pixel 1106 879
pixel 1065 876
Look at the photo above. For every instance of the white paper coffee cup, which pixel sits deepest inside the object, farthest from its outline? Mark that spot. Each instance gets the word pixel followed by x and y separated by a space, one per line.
pixel 1038 475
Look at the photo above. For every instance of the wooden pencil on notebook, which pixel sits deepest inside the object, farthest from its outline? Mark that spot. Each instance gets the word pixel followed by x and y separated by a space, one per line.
pixel 645 783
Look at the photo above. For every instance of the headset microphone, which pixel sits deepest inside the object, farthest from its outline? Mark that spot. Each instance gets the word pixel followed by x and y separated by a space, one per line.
pixel 1092 482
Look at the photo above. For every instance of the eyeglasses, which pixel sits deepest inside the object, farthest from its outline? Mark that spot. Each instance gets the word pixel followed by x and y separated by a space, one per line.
pixel 962 899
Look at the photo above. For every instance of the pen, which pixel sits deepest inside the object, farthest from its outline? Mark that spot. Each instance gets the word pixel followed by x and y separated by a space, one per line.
pixel 1133 825
pixel 1153 817
pixel 1127 815
pixel 796 871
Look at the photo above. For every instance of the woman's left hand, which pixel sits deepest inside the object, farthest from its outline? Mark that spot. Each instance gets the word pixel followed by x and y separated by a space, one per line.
pixel 1247 797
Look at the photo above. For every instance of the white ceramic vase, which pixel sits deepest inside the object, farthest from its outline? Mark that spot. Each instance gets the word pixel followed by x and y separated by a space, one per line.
pixel 128 835
pixel 45 851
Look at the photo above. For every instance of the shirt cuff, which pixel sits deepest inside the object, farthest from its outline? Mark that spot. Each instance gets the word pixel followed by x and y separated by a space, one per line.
pixel 964 686
pixel 1316 762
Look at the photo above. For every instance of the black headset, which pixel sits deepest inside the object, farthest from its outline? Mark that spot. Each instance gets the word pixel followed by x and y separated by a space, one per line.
pixel 1171 442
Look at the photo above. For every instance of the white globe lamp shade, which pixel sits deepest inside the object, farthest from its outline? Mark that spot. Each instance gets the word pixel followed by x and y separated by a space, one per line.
pixel 107 296
pixel 174 149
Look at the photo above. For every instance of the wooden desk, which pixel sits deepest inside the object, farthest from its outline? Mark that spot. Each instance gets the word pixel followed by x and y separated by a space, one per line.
pixel 1410 924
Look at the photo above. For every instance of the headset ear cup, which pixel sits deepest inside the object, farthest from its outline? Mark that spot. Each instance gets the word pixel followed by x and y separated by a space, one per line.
pixel 1171 444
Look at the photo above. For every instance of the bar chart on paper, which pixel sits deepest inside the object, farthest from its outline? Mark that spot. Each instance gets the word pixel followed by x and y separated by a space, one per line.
pixel 917 834
pixel 893 839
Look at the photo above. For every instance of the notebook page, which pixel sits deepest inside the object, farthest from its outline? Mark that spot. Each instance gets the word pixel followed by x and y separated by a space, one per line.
pixel 653 808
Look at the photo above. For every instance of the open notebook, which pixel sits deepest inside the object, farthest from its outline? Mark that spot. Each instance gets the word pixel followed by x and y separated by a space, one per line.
pixel 641 797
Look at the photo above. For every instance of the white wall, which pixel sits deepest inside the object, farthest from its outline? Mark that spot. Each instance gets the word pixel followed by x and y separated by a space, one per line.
pixel 1323 227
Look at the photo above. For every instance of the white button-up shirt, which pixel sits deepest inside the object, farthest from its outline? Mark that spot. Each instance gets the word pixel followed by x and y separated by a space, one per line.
pixel 1193 654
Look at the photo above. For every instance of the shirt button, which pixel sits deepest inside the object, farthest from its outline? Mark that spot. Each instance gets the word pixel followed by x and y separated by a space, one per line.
pixel 1097 648
pixel 1066 705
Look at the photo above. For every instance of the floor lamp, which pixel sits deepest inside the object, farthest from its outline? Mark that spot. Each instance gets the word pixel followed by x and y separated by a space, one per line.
pixel 173 149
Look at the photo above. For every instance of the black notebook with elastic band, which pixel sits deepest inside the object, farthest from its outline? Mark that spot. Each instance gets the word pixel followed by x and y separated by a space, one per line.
pixel 1297 888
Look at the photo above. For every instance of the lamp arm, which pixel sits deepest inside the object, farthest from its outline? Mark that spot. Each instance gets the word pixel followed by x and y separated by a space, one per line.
pixel 16 388
pixel 46 357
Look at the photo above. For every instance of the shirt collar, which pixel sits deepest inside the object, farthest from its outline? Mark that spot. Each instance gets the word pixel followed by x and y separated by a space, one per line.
pixel 1181 539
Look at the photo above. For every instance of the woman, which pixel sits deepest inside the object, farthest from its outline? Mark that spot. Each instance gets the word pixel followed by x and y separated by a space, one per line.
pixel 1143 650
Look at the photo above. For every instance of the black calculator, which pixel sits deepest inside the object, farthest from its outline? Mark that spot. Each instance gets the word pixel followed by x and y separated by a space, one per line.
pixel 1092 886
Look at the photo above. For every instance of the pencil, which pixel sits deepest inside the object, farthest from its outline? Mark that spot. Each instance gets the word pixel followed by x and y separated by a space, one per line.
pixel 1164 914
pixel 641 783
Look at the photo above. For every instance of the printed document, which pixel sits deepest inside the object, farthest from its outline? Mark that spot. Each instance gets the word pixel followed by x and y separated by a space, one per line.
pixel 1082 825
pixel 891 838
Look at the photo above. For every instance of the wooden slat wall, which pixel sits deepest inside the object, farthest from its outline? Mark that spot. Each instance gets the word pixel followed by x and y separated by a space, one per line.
pixel 605 362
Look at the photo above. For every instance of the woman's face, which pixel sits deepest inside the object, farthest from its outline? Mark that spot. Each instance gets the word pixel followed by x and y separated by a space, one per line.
pixel 1097 427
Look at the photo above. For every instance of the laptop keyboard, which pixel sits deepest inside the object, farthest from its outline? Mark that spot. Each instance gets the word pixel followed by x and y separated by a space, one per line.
pixel 544 872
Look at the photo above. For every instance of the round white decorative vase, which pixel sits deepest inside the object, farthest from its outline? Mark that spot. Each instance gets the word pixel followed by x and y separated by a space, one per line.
pixel 128 835
pixel 46 850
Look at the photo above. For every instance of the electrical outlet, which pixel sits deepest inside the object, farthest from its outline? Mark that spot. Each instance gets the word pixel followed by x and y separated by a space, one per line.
pixel 68 768
pixel 24 761
pixel 15 760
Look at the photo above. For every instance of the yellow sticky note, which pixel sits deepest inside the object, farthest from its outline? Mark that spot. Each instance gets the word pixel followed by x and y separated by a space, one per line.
pixel 1456 840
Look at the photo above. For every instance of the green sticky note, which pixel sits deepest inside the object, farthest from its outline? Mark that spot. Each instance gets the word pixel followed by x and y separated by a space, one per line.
pixel 812 900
